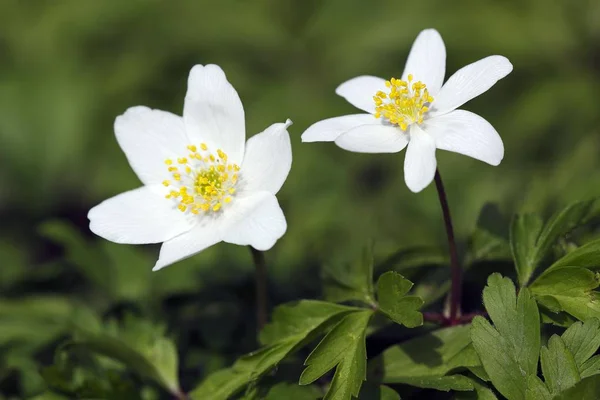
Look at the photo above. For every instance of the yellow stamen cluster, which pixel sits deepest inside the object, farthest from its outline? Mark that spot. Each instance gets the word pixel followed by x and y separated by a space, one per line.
pixel 406 103
pixel 202 181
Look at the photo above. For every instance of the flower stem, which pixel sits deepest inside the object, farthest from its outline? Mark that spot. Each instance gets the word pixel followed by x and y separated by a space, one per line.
pixel 261 287
pixel 456 273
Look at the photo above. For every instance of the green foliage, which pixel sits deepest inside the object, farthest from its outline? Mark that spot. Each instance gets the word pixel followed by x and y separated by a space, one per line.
pixel 393 302
pixel 587 389
pixel 558 366
pixel 569 289
pixel 140 346
pixel 343 348
pixel 428 360
pixel 531 239
pixel 586 256
pixel 292 392
pixel 509 350
pixel 293 326
pixel 353 281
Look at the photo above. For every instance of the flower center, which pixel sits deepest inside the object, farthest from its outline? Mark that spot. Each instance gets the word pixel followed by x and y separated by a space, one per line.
pixel 406 103
pixel 202 181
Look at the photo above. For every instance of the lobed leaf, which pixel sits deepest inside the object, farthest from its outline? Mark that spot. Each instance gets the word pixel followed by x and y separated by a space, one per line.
pixel 393 302
pixel 426 360
pixel 509 350
pixel 569 289
pixel 343 348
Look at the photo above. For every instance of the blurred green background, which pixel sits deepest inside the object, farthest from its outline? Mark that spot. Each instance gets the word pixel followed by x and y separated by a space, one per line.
pixel 68 68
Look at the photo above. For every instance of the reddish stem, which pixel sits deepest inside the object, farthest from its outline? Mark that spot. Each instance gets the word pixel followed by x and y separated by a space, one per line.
pixel 456 273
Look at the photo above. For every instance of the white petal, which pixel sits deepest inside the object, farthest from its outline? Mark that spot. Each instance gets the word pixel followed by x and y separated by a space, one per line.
pixel 377 138
pixel 329 129
pixel 259 221
pixel 419 163
pixel 148 137
pixel 466 133
pixel 469 82
pixel 427 60
pixel 138 216
pixel 213 112
pixel 208 232
pixel 268 159
pixel 359 91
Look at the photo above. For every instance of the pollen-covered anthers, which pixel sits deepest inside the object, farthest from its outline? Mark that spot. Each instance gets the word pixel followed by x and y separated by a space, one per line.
pixel 406 103
pixel 203 181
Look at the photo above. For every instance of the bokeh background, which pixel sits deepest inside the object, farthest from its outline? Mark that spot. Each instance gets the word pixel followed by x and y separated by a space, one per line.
pixel 68 68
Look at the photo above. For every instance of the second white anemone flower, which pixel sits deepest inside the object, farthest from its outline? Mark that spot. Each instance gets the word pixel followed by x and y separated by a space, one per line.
pixel 418 112
pixel 203 183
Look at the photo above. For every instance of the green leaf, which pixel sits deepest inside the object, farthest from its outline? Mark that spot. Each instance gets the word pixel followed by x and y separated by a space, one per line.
pixel 158 363
pixel 32 322
pixel 222 384
pixel 443 383
pixel 343 348
pixel 344 282
pixel 293 325
pixel 558 366
pixel 587 256
pixel 393 302
pixel 582 340
pixel 586 389
pixel 290 391
pixel 561 223
pixel 425 360
pixel 300 318
pixel 524 232
pixel 569 289
pixel 537 390
pixel 590 367
pixel 530 242
pixel 509 350
pixel 140 345
pixel 481 392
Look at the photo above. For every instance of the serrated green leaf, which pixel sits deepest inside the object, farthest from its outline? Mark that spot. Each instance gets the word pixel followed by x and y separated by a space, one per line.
pixel 393 302
pixel 222 384
pixel 425 359
pixel 587 256
pixel 354 281
pixel 343 348
pixel 582 340
pixel 590 367
pixel 572 290
pixel 531 240
pixel 292 326
pixel 537 390
pixel 586 389
pixel 509 350
pixel 300 318
pixel 524 232
pixel 558 366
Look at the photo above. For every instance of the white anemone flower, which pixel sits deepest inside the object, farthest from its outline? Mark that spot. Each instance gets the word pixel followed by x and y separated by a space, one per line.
pixel 202 182
pixel 418 112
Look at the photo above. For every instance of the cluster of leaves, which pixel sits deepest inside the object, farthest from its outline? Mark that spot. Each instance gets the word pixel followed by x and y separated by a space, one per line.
pixel 553 322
